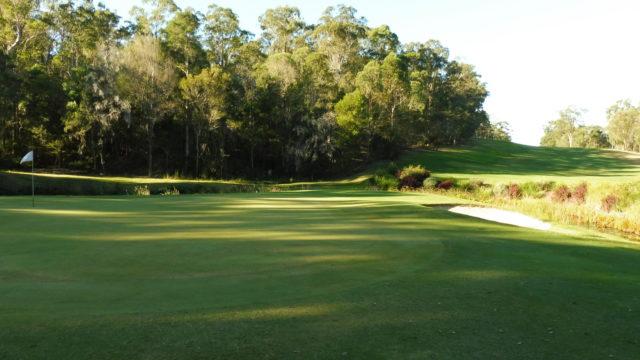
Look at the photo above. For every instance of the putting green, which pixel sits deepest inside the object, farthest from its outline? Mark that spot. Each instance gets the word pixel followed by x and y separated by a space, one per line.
pixel 315 274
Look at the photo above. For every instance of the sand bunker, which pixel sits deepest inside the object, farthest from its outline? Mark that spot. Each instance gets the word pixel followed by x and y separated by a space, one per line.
pixel 497 215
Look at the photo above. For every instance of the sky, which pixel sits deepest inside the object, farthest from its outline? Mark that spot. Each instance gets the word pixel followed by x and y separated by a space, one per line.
pixel 537 57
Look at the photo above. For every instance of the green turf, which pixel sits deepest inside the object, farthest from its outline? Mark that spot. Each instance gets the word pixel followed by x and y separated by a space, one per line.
pixel 503 161
pixel 305 275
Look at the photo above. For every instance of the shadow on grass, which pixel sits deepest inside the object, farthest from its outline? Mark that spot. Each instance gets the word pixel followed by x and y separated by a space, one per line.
pixel 302 276
pixel 496 157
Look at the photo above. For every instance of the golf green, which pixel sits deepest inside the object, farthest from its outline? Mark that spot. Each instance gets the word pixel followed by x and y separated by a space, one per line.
pixel 305 275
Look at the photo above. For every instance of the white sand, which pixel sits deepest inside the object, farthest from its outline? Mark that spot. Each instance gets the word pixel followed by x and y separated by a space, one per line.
pixel 501 216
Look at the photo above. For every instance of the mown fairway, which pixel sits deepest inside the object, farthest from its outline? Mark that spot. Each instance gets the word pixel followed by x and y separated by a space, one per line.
pixel 503 161
pixel 305 275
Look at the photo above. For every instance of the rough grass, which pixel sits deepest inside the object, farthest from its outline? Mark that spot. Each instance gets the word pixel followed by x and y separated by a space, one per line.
pixel 305 275
pixel 540 172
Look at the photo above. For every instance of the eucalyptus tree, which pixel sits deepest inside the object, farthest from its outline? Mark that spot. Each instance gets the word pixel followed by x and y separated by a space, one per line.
pixel 488 130
pixel 151 23
pixel 223 35
pixel 624 125
pixel 384 88
pixel 315 126
pixel 17 18
pixel 283 29
pixel 77 31
pixel 145 79
pixel 181 41
pixel 9 99
pixel 207 94
pixel 340 36
pixel 465 96
pixel 427 63
pixel 95 106
pixel 381 41
pixel 251 125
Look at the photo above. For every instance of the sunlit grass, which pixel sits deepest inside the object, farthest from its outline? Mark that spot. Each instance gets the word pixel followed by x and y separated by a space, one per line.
pixel 313 274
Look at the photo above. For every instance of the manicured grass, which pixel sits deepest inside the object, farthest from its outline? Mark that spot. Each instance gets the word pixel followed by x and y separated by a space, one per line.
pixel 499 161
pixel 305 275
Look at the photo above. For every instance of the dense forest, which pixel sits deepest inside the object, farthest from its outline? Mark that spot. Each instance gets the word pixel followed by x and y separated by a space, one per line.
pixel 176 91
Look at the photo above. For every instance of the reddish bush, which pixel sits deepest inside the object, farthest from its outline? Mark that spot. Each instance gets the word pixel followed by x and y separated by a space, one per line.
pixel 561 194
pixel 514 191
pixel 579 194
pixel 410 181
pixel 609 202
pixel 445 185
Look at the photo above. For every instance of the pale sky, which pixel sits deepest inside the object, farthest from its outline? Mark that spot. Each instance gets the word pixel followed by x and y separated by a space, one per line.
pixel 537 57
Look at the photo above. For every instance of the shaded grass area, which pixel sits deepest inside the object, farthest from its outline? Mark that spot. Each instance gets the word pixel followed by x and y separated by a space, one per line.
pixel 303 275
pixel 505 161
pixel 18 183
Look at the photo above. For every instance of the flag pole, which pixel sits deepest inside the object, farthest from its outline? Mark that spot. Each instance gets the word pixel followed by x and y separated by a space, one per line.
pixel 33 186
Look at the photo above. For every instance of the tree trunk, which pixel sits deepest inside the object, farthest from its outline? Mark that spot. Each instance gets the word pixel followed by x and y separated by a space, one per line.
pixel 197 133
pixel 186 148
pixel 150 148
pixel 93 150
pixel 252 149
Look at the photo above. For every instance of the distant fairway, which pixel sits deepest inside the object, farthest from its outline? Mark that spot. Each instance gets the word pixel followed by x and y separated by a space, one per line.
pixel 305 275
pixel 509 162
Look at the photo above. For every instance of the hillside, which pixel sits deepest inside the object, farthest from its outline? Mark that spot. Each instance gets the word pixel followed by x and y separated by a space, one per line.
pixel 592 187
pixel 498 161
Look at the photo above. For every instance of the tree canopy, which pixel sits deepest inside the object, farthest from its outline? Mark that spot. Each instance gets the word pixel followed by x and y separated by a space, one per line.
pixel 180 91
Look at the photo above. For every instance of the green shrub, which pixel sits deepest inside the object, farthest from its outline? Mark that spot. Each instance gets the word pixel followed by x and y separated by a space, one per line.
pixel 475 184
pixel 170 191
pixel 391 168
pixel 386 182
pixel 500 190
pixel 430 183
pixel 532 189
pixel 141 190
pixel 417 171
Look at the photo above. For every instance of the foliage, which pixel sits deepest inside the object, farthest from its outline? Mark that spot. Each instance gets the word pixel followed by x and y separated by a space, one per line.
pixel 175 90
pixel 494 131
pixel 430 182
pixel 141 190
pixel 579 194
pixel 445 185
pixel 385 181
pixel 500 190
pixel 561 194
pixel 609 202
pixel 417 171
pixel 514 191
pixel 536 189
pixel 624 126
pixel 562 132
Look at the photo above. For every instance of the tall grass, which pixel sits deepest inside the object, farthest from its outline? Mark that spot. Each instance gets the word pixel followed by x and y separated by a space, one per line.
pixel 540 199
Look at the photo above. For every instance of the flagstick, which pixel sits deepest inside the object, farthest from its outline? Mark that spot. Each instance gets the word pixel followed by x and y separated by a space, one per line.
pixel 33 187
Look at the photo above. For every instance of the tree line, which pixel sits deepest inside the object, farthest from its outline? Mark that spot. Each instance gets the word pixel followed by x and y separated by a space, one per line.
pixel 180 91
pixel 622 131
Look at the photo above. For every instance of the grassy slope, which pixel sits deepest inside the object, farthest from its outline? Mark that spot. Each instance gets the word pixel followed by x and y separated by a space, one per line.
pixel 303 275
pixel 507 162
pixel 19 183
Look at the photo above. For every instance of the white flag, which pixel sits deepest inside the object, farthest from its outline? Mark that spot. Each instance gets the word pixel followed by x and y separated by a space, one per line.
pixel 27 158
